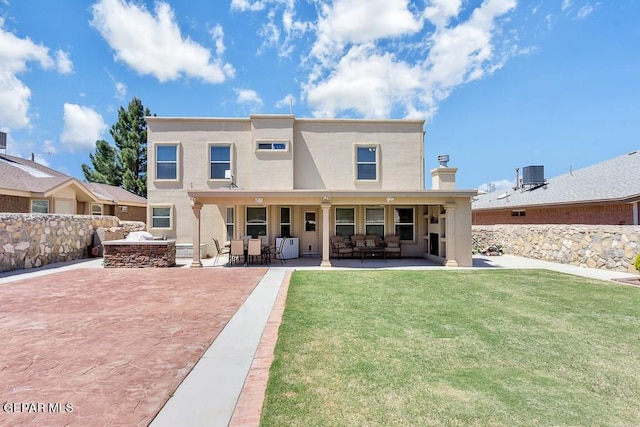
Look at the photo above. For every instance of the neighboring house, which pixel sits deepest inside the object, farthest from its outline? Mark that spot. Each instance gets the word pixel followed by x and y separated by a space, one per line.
pixel 277 175
pixel 29 187
pixel 604 193
pixel 118 202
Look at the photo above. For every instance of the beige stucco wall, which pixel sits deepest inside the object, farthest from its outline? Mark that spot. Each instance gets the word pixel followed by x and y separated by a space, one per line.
pixel 326 151
pixel 320 156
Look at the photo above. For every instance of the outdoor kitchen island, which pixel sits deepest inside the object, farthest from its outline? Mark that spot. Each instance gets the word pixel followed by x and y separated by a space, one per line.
pixel 139 254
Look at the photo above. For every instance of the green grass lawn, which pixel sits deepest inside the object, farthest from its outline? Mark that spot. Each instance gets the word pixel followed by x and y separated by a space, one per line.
pixel 455 348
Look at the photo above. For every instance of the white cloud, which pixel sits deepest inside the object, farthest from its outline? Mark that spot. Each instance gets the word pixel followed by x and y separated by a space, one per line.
pixel 63 63
pixel 248 96
pixel 585 11
pixel 83 126
pixel 15 55
pixel 355 70
pixel 245 5
pixel 441 11
pixel 217 34
pixel 121 90
pixel 49 147
pixel 153 44
pixel 566 4
pixel 499 186
pixel 366 82
pixel 288 101
pixel 361 21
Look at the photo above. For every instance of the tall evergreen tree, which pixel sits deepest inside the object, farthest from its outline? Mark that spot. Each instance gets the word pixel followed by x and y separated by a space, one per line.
pixel 106 167
pixel 128 159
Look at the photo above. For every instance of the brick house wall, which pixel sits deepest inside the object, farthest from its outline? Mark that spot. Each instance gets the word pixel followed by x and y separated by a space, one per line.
pixel 613 214
pixel 14 204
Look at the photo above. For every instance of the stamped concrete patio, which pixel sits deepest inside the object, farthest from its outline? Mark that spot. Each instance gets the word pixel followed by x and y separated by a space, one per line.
pixel 108 347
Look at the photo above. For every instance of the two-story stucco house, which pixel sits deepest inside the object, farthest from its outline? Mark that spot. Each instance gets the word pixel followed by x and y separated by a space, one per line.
pixel 278 175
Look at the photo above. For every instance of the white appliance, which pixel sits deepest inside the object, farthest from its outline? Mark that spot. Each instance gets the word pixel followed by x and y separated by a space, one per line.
pixel 290 249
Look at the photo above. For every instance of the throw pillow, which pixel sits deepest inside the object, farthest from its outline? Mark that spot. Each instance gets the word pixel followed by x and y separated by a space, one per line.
pixel 393 245
pixel 369 243
pixel 340 245
pixel 360 243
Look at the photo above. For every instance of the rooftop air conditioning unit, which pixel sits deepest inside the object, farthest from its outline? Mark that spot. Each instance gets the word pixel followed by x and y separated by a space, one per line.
pixel 532 176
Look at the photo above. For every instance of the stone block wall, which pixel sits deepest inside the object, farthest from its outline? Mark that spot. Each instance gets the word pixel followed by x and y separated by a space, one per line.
pixel 124 254
pixel 610 247
pixel 34 240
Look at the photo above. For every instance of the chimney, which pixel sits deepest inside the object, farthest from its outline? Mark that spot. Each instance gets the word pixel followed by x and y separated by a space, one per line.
pixel 517 179
pixel 33 157
pixel 443 177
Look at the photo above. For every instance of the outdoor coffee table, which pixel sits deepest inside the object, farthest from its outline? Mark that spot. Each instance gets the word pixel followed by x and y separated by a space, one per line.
pixel 372 251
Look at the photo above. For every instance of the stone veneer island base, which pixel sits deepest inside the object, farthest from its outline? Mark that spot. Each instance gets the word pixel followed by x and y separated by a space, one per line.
pixel 144 254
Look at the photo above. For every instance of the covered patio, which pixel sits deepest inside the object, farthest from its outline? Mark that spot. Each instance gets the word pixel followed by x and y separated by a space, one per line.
pixel 434 225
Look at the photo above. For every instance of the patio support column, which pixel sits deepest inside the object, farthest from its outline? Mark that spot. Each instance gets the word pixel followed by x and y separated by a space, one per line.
pixel 450 210
pixel 197 207
pixel 636 216
pixel 326 262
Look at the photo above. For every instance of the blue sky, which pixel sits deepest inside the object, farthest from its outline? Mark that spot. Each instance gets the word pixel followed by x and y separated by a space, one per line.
pixel 501 83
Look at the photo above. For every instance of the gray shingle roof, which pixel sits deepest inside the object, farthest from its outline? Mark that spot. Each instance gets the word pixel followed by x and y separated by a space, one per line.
pixel 611 180
pixel 116 194
pixel 24 175
pixel 21 174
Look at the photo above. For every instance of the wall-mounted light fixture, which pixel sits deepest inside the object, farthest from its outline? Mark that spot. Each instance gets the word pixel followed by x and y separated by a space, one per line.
pixel 390 199
pixel 258 199
pixel 326 198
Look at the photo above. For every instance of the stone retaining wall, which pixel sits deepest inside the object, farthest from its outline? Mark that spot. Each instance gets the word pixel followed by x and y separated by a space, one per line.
pixel 610 247
pixel 34 240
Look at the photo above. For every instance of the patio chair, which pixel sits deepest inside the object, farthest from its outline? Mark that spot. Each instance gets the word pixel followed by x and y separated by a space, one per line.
pixel 219 250
pixel 392 245
pixel 339 247
pixel 357 242
pixel 254 250
pixel 237 251
pixel 279 251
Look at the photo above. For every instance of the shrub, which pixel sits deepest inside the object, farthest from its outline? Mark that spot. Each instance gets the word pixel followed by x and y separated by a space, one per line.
pixel 638 262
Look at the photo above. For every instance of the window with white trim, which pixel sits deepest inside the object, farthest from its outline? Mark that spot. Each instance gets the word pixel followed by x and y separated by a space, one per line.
pixel 285 222
pixel 231 222
pixel 40 206
pixel 256 223
pixel 403 220
pixel 374 221
pixel 272 145
pixel 219 161
pixel 161 217
pixel 367 163
pixel 345 222
pixel 167 161
pixel 96 209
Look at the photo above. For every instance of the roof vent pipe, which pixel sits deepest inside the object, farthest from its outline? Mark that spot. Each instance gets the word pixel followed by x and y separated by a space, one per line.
pixel 443 159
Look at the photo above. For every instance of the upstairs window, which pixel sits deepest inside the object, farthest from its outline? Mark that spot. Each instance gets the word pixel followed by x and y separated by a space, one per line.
pixel 167 161
pixel 220 161
pixel 367 163
pixel 272 145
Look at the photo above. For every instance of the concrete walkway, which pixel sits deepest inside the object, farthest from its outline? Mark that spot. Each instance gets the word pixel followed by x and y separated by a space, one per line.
pixel 208 396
